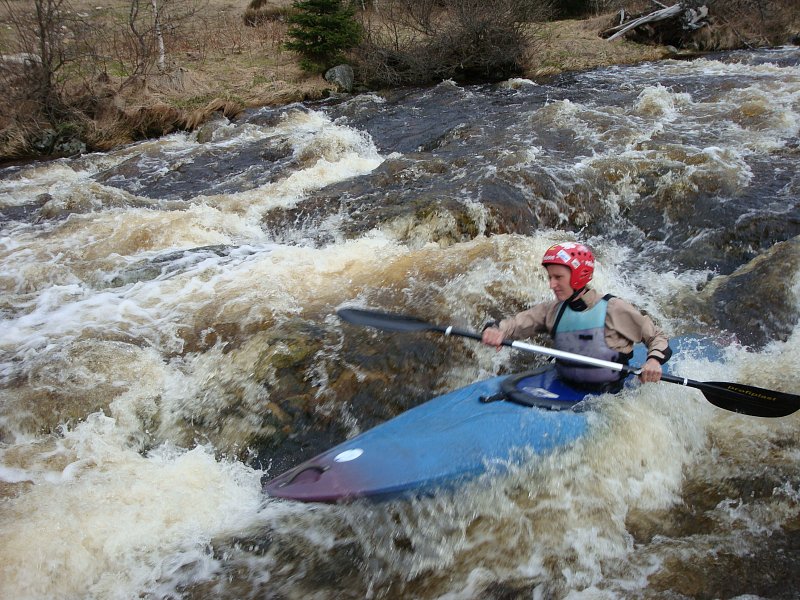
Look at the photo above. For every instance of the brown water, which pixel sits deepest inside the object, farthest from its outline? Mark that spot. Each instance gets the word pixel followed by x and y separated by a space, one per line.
pixel 168 337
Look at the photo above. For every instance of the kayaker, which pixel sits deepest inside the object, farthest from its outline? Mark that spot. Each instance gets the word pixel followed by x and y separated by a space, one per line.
pixel 582 321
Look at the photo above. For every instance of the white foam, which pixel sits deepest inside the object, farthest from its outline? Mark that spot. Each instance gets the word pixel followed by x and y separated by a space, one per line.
pixel 116 518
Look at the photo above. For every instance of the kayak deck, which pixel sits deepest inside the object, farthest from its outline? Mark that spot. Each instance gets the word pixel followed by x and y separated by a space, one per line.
pixel 450 438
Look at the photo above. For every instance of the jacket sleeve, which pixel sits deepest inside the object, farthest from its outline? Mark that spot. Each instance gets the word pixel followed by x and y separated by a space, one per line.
pixel 624 319
pixel 528 322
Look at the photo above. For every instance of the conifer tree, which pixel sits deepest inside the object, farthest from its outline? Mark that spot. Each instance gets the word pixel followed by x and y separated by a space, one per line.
pixel 321 31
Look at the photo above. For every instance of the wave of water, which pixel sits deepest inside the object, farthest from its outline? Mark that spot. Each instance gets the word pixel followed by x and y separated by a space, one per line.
pixel 166 338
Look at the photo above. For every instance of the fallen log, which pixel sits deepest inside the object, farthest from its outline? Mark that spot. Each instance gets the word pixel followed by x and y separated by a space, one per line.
pixel 678 16
pixel 659 15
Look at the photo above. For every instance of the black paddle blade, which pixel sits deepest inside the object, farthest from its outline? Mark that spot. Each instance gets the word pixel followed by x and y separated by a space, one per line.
pixel 750 400
pixel 385 321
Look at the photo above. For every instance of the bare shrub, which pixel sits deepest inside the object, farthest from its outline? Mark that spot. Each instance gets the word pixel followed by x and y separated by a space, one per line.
pixel 44 30
pixel 581 9
pixel 422 41
pixel 757 22
pixel 146 40
pixel 262 11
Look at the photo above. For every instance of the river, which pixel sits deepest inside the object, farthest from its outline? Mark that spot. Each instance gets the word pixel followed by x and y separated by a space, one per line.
pixel 168 338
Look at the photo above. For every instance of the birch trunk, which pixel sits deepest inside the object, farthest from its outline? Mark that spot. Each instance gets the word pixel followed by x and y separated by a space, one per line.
pixel 162 54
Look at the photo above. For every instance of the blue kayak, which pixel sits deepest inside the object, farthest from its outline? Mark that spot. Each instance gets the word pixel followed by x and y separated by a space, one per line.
pixel 451 438
pixel 448 439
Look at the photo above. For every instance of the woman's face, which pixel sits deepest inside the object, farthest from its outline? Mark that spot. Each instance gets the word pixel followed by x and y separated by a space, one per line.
pixel 559 276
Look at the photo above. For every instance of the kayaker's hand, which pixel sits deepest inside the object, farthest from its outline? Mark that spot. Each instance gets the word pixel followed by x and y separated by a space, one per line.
pixel 492 336
pixel 651 371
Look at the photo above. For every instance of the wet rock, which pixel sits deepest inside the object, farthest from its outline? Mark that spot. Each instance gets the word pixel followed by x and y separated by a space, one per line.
pixel 713 224
pixel 206 132
pixel 758 302
pixel 695 515
pixel 168 263
pixel 58 143
pixel 211 169
pixel 69 147
pixel 66 385
pixel 766 570
pixel 419 200
pixel 44 142
pixel 342 76
pixel 25 212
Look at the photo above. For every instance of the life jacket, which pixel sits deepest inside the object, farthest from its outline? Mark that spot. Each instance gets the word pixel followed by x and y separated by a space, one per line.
pixel 583 332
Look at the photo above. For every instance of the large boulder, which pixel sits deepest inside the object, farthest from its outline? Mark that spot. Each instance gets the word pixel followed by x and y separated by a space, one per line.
pixel 342 77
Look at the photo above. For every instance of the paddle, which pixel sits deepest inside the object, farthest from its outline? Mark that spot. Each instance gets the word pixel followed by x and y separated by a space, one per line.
pixel 735 397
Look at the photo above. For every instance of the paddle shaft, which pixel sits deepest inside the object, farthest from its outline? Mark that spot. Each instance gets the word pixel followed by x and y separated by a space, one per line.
pixel 579 358
pixel 736 397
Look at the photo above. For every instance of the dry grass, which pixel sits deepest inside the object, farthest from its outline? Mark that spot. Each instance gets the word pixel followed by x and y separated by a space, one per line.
pixel 219 56
pixel 217 64
pixel 575 45
pixel 249 63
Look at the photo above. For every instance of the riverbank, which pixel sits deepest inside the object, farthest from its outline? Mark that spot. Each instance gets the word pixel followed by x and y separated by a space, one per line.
pixel 256 71
pixel 219 64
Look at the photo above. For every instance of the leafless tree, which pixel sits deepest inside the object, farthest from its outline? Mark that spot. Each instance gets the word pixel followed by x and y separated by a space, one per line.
pixel 36 72
pixel 153 29
pixel 60 68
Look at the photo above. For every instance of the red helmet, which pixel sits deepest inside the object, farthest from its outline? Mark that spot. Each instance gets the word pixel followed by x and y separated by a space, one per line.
pixel 576 257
